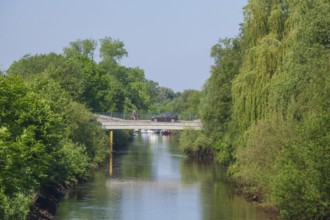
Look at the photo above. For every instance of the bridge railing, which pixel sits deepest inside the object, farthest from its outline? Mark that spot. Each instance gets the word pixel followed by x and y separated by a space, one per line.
pixel 145 116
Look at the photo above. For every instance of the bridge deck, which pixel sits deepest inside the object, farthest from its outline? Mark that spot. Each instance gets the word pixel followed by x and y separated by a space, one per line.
pixel 110 123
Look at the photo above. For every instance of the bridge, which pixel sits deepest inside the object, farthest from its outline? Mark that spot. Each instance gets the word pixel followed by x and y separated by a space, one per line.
pixel 113 123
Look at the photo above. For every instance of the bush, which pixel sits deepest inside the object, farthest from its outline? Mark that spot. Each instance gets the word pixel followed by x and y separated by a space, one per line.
pixel 196 144
pixel 295 189
pixel 261 146
pixel 14 207
pixel 73 162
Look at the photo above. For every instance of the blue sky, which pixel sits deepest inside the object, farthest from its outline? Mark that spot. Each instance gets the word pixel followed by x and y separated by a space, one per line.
pixel 170 40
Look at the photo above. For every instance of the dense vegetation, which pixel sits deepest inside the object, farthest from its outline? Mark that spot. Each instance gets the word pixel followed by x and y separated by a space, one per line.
pixel 265 110
pixel 266 106
pixel 48 133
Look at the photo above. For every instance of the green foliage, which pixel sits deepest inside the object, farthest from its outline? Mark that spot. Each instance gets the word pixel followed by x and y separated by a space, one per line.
pixel 30 132
pixel 138 90
pixel 257 155
pixel 160 97
pixel 196 144
pixel 127 88
pixel 108 86
pixel 112 50
pixel 298 187
pixel 14 207
pixel 285 74
pixel 41 141
pixel 185 103
pixel 73 162
pixel 85 48
pixel 216 102
pixel 268 113
pixel 99 94
pixel 85 131
pixel 48 134
pixel 66 73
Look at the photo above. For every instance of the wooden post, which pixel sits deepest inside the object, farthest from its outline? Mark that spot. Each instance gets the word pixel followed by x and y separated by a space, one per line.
pixel 111 148
pixel 111 141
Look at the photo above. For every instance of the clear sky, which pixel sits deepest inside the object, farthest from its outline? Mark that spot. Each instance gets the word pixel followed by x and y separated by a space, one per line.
pixel 169 39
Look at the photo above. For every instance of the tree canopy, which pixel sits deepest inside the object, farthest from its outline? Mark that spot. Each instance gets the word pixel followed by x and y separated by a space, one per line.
pixel 266 105
pixel 48 132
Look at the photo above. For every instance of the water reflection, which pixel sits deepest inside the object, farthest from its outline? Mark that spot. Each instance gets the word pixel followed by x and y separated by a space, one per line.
pixel 151 179
pixel 110 163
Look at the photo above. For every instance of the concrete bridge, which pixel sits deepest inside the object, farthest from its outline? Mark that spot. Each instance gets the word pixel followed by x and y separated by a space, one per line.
pixel 111 123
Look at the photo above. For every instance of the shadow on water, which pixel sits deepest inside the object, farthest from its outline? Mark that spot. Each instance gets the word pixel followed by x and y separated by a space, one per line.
pixel 152 179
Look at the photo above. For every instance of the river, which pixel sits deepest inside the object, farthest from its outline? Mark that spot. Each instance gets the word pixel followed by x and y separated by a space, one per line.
pixel 152 179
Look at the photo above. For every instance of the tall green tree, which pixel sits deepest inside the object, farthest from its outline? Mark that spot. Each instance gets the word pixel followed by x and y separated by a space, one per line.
pixel 109 87
pixel 47 133
pixel 31 133
pixel 85 48
pixel 266 104
pixel 283 86
pixel 216 103
pixel 128 87
pixel 67 73
pixel 112 50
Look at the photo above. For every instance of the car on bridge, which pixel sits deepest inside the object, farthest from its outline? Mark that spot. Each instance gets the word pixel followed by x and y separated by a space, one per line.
pixel 166 117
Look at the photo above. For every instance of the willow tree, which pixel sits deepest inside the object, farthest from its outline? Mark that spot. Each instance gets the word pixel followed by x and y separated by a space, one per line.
pixel 280 105
pixel 262 48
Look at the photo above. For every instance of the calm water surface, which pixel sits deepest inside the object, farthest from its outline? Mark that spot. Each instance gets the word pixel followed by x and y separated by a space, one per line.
pixel 152 179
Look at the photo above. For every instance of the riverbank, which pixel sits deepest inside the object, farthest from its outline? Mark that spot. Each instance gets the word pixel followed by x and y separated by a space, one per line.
pixel 254 197
pixel 46 202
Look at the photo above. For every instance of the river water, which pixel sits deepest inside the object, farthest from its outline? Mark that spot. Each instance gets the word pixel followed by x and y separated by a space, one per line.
pixel 152 179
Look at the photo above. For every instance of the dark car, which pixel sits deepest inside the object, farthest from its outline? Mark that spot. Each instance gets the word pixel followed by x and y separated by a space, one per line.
pixel 167 116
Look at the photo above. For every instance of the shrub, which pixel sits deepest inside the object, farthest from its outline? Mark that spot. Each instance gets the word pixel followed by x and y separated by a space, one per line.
pixel 196 144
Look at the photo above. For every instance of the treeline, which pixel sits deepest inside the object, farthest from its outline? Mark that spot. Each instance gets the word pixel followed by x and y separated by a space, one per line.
pixel 265 107
pixel 184 103
pixel 48 133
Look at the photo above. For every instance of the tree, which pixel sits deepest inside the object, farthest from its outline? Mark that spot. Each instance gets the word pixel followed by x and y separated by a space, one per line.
pixel 112 50
pixel 160 96
pixel 67 73
pixel 186 103
pixel 47 133
pixel 128 88
pixel 282 85
pixel 31 133
pixel 85 48
pixel 216 103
